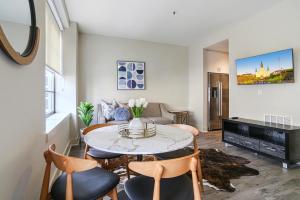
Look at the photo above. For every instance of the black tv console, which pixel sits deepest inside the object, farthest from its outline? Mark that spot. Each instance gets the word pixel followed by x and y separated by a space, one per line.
pixel 276 140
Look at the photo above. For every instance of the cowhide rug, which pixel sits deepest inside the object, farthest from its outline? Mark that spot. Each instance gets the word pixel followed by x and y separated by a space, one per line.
pixel 218 168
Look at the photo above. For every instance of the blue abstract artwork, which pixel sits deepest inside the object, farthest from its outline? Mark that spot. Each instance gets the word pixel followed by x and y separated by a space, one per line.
pixel 131 75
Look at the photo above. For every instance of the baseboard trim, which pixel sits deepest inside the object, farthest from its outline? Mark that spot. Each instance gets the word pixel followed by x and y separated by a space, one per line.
pixel 65 152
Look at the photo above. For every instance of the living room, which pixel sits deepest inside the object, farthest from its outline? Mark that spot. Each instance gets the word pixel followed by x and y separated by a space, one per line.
pixel 83 46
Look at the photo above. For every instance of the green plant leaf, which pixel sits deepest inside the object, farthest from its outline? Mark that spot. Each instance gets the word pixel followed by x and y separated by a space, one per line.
pixel 85 112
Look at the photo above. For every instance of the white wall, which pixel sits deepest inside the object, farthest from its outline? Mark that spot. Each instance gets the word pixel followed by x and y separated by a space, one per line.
pixel 215 61
pixel 166 70
pixel 271 30
pixel 22 122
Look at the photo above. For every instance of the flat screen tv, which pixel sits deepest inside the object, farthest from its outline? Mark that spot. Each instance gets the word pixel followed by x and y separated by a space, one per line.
pixel 270 68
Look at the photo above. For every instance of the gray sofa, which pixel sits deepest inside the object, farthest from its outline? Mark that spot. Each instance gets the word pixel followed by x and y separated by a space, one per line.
pixel 154 113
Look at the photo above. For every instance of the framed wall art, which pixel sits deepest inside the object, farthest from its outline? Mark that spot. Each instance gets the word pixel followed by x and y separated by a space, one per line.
pixel 131 75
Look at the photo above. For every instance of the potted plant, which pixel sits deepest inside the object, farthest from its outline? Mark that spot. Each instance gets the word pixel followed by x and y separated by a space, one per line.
pixel 137 107
pixel 85 113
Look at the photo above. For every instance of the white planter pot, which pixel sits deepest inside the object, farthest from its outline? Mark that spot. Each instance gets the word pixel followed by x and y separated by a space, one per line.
pixel 136 125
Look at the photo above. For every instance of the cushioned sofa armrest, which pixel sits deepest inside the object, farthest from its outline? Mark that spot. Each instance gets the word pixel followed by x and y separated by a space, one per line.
pixel 166 114
pixel 100 118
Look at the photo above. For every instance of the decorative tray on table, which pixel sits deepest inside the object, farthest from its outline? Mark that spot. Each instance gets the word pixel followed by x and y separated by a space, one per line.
pixel 125 131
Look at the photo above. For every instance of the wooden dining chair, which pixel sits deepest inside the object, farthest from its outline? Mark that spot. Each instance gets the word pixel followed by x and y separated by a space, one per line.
pixel 184 152
pixel 102 156
pixel 81 179
pixel 164 180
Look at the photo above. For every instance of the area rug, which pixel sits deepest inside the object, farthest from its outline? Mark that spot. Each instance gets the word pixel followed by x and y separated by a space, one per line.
pixel 218 168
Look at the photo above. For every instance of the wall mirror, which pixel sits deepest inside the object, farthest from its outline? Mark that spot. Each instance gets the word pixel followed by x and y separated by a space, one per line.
pixel 19 35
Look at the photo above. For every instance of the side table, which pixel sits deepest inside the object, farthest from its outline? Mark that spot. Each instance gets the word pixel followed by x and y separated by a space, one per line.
pixel 182 116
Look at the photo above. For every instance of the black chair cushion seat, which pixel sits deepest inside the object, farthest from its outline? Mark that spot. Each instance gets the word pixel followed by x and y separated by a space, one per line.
pixel 87 185
pixel 102 154
pixel 175 154
pixel 142 187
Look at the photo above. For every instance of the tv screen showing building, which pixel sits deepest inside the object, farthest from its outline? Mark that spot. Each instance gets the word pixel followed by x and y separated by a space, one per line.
pixel 275 67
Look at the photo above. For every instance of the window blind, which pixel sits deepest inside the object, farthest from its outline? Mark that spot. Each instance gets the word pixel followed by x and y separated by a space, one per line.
pixel 53 42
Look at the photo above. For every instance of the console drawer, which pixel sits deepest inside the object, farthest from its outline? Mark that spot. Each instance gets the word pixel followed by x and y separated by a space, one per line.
pixel 250 143
pixel 272 149
pixel 230 137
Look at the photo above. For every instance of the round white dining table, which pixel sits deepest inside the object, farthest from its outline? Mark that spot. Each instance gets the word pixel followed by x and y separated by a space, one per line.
pixel 167 139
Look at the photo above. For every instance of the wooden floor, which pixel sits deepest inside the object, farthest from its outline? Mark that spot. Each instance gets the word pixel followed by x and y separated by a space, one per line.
pixel 273 183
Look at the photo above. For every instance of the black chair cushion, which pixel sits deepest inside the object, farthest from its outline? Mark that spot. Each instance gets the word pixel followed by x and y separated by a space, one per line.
pixel 102 154
pixel 142 188
pixel 175 154
pixel 87 185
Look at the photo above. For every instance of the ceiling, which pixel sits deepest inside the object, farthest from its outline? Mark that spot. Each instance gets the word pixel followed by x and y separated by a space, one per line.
pixel 222 46
pixel 153 20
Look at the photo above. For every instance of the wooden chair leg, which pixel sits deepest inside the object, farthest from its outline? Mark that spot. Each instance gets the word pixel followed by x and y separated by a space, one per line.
pixel 85 151
pixel 113 194
pixel 199 170
pixel 127 168
pixel 199 174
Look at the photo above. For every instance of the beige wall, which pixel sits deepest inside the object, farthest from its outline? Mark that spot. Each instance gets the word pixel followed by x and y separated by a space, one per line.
pixel 166 70
pixel 274 29
pixel 216 62
pixel 22 122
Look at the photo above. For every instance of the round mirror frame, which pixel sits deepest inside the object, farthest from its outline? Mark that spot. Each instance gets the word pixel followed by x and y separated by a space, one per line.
pixel 30 52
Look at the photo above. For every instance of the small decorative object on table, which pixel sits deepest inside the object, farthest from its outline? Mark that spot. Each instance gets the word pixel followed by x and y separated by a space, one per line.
pixel 137 107
pixel 149 131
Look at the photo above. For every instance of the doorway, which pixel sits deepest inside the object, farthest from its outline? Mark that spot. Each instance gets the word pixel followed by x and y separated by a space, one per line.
pixel 216 77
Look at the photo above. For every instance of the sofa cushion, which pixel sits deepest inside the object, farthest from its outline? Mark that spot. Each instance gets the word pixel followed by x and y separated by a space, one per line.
pixel 122 114
pixel 156 120
pixel 152 110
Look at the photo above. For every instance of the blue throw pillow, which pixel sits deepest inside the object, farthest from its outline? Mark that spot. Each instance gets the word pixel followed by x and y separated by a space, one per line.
pixel 122 114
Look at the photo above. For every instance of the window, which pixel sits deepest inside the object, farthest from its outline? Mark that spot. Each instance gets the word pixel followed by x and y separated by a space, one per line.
pixel 50 92
pixel 53 59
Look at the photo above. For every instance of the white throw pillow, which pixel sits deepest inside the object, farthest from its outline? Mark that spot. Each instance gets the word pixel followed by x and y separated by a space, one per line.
pixel 108 109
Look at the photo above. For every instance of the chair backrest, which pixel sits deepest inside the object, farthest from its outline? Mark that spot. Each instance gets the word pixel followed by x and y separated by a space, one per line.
pixel 93 127
pixel 66 164
pixel 168 169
